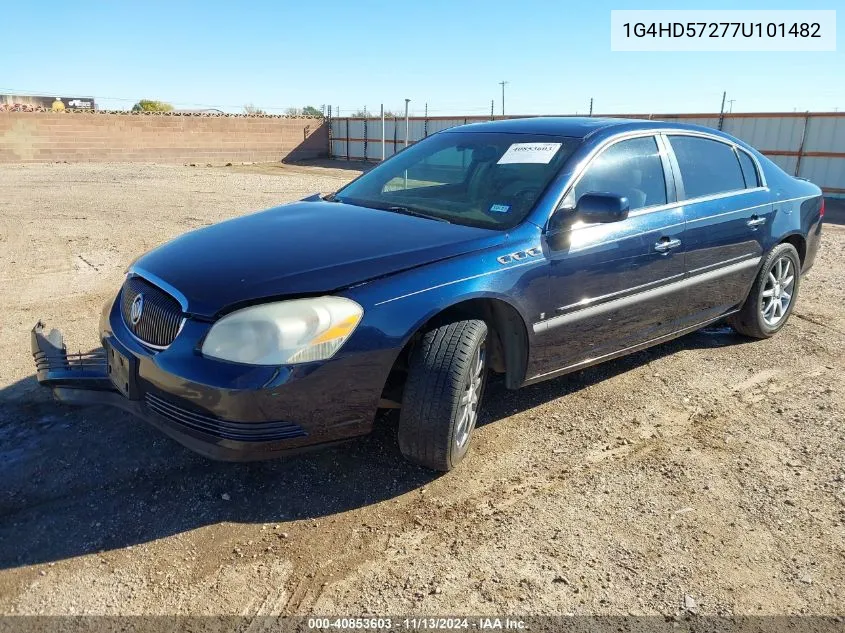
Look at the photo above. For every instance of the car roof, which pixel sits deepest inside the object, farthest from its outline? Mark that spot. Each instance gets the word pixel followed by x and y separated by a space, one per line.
pixel 575 126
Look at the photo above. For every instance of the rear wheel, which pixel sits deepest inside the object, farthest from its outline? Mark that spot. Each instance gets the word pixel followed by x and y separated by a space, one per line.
pixel 772 296
pixel 446 380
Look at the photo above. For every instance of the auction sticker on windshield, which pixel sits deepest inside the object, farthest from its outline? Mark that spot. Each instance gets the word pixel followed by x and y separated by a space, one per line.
pixel 529 153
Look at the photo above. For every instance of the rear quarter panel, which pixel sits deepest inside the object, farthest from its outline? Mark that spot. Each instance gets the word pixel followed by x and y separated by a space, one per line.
pixel 796 210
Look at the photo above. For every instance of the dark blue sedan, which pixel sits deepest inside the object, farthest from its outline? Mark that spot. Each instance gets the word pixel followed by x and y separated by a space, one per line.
pixel 528 248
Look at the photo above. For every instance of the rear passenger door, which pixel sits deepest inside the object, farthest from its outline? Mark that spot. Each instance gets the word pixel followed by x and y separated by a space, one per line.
pixel 726 209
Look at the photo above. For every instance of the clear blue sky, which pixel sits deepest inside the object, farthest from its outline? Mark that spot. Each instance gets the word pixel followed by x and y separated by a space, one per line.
pixel 359 53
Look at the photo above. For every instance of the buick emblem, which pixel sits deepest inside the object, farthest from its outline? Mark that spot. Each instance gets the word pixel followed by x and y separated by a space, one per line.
pixel 137 309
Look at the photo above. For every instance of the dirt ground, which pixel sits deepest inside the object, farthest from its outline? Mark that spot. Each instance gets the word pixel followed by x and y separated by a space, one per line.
pixel 707 474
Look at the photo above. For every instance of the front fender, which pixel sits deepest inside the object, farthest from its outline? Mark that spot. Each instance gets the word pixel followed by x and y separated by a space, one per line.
pixel 396 308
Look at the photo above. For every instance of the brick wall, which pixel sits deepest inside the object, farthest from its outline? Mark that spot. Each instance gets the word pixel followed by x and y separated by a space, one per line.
pixel 46 136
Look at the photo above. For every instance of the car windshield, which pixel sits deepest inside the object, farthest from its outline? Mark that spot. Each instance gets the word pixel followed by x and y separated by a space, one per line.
pixel 484 179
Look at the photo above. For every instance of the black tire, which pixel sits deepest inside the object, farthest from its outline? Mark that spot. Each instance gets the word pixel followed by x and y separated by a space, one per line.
pixel 440 368
pixel 749 320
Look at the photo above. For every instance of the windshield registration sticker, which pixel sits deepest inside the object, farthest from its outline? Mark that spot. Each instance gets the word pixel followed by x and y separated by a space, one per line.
pixel 529 153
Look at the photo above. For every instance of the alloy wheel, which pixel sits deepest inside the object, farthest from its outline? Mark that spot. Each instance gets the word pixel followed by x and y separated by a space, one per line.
pixel 778 291
pixel 471 397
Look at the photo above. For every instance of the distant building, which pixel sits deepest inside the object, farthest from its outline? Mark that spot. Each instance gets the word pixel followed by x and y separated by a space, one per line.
pixel 37 103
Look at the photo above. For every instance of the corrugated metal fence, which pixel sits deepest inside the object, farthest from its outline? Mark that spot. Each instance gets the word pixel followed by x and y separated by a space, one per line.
pixel 810 145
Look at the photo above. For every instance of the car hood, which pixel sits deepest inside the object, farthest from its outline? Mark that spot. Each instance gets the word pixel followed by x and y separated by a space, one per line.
pixel 301 248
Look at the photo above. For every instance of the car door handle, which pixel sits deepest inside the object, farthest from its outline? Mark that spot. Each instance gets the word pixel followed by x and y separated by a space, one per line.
pixel 666 244
pixel 756 221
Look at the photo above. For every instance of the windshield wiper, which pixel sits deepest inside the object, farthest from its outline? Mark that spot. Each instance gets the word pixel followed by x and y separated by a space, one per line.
pixel 415 213
pixel 395 208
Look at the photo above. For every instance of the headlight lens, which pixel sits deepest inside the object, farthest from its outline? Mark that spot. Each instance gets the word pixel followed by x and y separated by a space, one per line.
pixel 285 332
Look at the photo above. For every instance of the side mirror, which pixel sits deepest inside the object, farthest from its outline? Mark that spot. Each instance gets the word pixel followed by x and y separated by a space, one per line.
pixel 602 207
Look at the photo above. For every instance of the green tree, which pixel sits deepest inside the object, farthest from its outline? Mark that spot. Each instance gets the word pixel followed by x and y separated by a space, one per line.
pixel 311 111
pixel 148 105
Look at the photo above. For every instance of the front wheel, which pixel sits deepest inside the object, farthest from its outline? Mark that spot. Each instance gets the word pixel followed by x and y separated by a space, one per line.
pixel 446 380
pixel 772 296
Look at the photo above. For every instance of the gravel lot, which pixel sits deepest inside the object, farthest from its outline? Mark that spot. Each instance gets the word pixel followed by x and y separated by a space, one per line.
pixel 706 474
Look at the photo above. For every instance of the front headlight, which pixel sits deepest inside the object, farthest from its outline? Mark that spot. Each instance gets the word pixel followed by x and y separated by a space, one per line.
pixel 283 333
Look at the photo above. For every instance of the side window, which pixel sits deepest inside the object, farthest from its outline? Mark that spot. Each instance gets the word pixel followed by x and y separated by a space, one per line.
pixel 631 168
pixel 446 167
pixel 707 167
pixel 749 171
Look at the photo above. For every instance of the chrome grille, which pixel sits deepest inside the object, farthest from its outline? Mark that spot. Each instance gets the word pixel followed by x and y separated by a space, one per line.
pixel 224 429
pixel 161 316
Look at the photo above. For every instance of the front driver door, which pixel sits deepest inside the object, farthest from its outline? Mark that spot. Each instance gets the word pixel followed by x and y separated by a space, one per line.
pixel 614 285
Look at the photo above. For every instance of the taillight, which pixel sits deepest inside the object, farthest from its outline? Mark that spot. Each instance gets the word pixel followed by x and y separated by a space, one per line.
pixel 821 209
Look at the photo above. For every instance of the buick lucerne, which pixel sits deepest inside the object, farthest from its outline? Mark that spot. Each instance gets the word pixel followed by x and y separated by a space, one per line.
pixel 527 248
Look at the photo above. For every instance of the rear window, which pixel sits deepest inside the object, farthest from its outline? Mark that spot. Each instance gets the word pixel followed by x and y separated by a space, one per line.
pixel 707 167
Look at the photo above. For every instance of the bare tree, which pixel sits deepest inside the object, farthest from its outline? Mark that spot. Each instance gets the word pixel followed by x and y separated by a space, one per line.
pixel 249 108
pixel 388 114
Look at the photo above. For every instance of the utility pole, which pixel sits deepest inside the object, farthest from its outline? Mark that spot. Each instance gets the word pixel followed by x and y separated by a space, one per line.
pixel 492 116
pixel 503 84
pixel 731 105
pixel 722 111
pixel 591 106
pixel 407 123
pixel 330 126
pixel 383 140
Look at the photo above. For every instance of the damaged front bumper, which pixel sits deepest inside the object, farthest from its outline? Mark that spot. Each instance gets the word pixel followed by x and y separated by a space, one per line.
pixel 109 376
pixel 54 367
pixel 204 405
pixel 82 378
